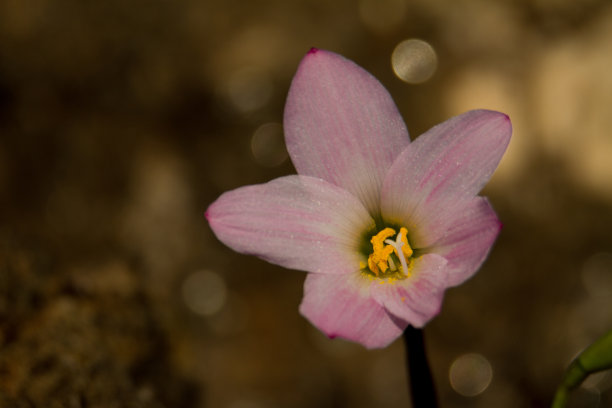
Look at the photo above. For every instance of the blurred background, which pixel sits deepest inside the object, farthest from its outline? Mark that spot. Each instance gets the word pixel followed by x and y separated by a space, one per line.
pixel 121 121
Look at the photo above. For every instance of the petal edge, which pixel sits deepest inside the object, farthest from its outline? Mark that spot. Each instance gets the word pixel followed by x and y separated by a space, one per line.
pixel 341 306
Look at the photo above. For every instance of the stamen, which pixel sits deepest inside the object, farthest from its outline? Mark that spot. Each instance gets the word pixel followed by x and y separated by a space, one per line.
pixel 377 261
pixel 383 246
pixel 398 244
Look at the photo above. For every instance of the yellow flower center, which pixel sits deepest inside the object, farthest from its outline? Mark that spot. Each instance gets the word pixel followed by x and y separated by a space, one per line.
pixel 388 255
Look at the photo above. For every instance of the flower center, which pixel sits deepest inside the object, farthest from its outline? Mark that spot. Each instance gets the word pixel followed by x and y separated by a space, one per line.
pixel 390 257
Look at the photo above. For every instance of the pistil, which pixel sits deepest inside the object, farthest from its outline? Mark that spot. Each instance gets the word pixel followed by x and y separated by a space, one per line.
pixel 398 245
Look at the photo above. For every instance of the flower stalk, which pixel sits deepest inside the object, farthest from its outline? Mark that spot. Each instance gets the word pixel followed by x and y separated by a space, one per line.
pixel 420 381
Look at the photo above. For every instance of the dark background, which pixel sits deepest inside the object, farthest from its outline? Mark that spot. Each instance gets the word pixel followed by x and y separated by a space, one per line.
pixel 121 121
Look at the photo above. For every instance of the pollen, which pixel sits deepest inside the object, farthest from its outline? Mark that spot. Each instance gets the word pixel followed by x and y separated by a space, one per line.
pixel 377 261
pixel 403 237
pixel 388 255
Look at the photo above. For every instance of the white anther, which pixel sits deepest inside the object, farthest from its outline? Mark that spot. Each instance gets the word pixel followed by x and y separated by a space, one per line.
pixel 398 244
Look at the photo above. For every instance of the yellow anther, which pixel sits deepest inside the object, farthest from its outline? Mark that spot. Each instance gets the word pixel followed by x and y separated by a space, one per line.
pixel 377 261
pixel 378 240
pixel 406 247
pixel 380 260
pixel 372 264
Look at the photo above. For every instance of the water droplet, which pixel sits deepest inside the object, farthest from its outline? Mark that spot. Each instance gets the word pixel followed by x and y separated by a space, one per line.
pixel 414 61
pixel 470 374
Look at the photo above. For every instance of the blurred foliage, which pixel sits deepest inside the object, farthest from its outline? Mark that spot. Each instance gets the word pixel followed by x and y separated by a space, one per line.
pixel 597 357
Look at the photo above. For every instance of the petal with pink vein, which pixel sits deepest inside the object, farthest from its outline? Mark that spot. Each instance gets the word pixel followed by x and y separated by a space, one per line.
pixel 341 125
pixel 418 298
pixel 466 239
pixel 341 306
pixel 444 167
pixel 298 222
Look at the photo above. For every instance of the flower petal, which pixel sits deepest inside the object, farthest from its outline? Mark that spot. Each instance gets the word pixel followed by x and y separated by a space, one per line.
pixel 341 125
pixel 341 306
pixel 418 298
pixel 298 222
pixel 444 167
pixel 466 241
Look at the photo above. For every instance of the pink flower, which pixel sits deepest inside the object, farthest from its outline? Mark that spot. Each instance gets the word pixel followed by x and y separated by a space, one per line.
pixel 382 225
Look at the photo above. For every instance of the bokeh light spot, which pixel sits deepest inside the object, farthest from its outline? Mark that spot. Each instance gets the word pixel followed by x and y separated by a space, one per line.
pixel 249 89
pixel 268 146
pixel 414 61
pixel 470 374
pixel 204 292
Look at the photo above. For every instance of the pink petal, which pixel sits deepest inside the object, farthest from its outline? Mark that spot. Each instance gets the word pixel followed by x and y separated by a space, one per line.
pixel 341 125
pixel 443 168
pixel 298 222
pixel 467 240
pixel 341 306
pixel 418 298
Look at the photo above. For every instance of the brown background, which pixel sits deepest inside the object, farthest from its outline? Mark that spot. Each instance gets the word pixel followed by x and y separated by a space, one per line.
pixel 121 121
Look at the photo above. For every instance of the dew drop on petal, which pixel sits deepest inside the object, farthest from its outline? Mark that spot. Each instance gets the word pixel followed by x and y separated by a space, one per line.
pixel 414 61
pixel 470 374
pixel 268 146
pixel 204 292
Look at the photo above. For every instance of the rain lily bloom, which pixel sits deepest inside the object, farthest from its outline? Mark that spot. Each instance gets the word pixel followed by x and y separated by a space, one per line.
pixel 381 224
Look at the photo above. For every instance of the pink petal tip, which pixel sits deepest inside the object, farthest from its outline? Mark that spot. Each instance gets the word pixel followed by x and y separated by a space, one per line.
pixel 312 50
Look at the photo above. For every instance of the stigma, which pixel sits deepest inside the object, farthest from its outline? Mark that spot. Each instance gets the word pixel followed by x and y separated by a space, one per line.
pixel 390 256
